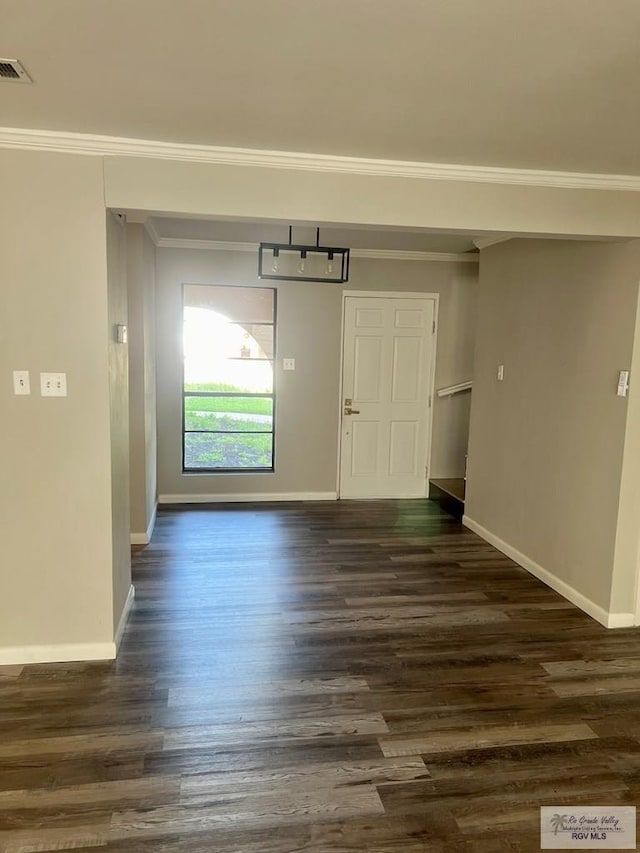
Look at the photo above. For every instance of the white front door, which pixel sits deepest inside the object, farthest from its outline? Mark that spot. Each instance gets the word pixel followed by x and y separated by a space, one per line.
pixel 386 388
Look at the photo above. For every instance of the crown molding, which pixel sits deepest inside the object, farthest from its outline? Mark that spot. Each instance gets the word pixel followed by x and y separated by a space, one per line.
pixel 151 231
pixel 207 245
pixel 485 242
pixel 378 254
pixel 399 255
pixel 97 145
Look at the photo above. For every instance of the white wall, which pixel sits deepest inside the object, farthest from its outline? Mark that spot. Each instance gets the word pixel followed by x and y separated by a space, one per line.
pixel 55 453
pixel 625 586
pixel 546 444
pixel 142 380
pixel 309 329
pixel 119 409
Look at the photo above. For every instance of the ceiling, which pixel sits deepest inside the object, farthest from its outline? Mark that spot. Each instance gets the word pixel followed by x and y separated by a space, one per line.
pixel 542 84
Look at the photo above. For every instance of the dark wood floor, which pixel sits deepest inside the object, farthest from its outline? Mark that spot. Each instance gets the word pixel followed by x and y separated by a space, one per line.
pixel 322 678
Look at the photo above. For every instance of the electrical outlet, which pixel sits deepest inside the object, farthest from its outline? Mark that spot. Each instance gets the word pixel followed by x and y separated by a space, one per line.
pixel 288 364
pixel 53 384
pixel 21 384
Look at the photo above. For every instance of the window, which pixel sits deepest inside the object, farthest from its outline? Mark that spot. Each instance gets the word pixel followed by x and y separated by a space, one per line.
pixel 228 393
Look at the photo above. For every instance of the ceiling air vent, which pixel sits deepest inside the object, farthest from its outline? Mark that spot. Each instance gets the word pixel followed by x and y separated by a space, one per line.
pixel 12 70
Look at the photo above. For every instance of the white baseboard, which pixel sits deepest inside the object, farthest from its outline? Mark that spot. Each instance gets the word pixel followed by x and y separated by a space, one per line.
pixel 248 498
pixel 124 616
pixel 609 620
pixel 66 652
pixel 621 620
pixel 59 653
pixel 145 538
pixel 407 496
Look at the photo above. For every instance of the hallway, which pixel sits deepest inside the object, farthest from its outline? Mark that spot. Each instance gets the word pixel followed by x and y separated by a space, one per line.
pixel 322 677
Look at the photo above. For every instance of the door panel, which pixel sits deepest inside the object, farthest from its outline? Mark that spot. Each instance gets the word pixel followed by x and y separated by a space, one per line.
pixel 387 369
pixel 407 370
pixel 367 368
pixel 403 455
pixel 409 319
pixel 366 448
pixel 369 318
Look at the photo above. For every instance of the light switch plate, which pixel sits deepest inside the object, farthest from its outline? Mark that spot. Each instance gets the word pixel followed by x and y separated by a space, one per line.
pixel 53 384
pixel 500 375
pixel 288 364
pixel 623 383
pixel 21 384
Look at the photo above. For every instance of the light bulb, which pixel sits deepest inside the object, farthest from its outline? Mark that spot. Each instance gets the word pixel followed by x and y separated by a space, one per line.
pixel 330 263
pixel 276 255
pixel 303 257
